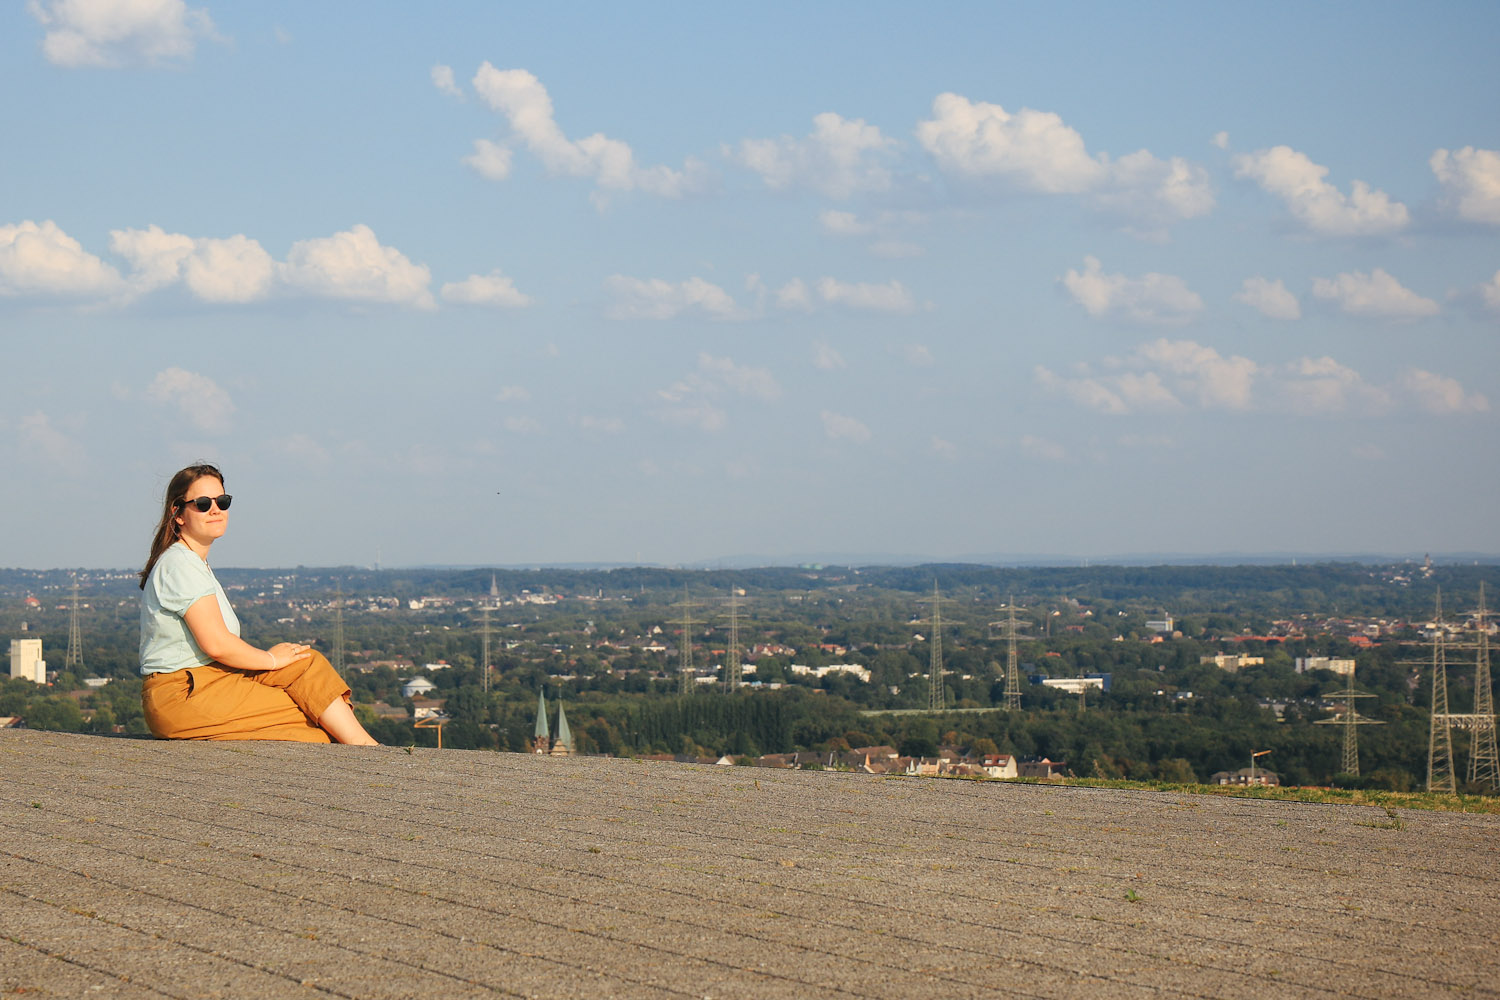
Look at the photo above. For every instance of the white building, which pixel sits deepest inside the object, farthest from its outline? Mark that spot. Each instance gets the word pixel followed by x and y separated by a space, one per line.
pixel 1074 685
pixel 26 660
pixel 1232 661
pixel 416 687
pixel 1340 667
pixel 863 673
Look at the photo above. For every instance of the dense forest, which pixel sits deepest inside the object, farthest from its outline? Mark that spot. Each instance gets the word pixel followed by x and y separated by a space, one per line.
pixel 607 645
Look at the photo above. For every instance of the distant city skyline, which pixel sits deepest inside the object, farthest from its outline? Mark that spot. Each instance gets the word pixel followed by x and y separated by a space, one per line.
pixel 469 285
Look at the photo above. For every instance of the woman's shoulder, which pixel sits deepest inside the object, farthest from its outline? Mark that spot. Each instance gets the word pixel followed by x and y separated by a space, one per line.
pixel 178 561
pixel 179 553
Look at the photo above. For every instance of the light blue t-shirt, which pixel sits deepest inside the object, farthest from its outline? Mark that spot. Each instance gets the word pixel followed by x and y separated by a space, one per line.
pixel 177 580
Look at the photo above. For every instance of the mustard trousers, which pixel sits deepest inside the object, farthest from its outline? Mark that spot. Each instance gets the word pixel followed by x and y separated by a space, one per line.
pixel 215 702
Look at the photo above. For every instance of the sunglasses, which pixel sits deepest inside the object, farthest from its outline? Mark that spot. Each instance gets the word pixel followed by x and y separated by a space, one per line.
pixel 204 503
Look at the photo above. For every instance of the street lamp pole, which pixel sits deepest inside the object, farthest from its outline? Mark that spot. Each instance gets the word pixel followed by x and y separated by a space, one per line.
pixel 1254 754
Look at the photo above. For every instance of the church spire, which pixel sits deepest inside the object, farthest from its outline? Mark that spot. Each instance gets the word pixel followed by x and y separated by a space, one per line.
pixel 541 741
pixel 563 745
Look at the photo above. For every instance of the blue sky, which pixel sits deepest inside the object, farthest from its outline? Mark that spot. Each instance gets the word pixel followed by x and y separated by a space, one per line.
pixel 668 283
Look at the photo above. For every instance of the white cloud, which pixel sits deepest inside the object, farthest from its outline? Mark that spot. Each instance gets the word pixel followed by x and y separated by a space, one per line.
pixel 697 413
pixel 610 163
pixel 493 289
pixel 489 160
pixel 743 379
pixel 839 158
pixel 39 259
pixel 521 425
pixel 692 399
pixel 1036 151
pixel 1152 298
pixel 1322 385
pixel 353 265
pixel 1490 292
pixel 1470 182
pixel 1127 392
pixel 839 427
pixel 442 79
pixel 512 394
pixel 1440 394
pixel 40 440
pixel 794 295
pixel 234 269
pixel 119 32
pixel 1220 140
pixel 198 399
pixel 1032 148
pixel 891 296
pixel 1169 374
pixel 1038 447
pixel 638 298
pixel 1153 192
pixel 1270 297
pixel 1201 371
pixel 826 358
pixel 1320 207
pixel 1158 376
pixel 881 226
pixel 1376 295
pixel 943 448
pixel 844 224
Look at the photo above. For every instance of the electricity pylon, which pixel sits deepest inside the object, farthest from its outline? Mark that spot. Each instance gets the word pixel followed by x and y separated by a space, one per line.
pixel 486 605
pixel 1484 756
pixel 685 656
pixel 1440 725
pixel 338 630
pixel 1484 760
pixel 937 695
pixel 1351 720
pixel 1008 629
pixel 734 674
pixel 74 660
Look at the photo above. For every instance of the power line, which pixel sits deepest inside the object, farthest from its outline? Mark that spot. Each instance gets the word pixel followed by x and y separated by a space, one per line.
pixel 1484 756
pixel 1484 760
pixel 734 674
pixel 937 694
pixel 74 660
pixel 685 650
pixel 338 630
pixel 1008 631
pixel 1440 724
pixel 1351 720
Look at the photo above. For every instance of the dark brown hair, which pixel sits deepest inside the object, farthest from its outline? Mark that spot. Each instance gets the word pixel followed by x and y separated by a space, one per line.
pixel 166 528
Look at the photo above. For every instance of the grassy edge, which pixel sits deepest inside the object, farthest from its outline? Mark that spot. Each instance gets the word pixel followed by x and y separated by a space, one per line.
pixel 1432 801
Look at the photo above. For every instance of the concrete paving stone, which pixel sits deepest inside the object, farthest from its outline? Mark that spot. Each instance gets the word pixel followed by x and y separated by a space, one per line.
pixel 466 873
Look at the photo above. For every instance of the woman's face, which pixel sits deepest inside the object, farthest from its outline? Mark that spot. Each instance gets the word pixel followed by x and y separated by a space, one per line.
pixel 199 526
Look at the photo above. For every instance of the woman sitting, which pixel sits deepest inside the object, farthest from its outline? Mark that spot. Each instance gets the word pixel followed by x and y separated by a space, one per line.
pixel 202 681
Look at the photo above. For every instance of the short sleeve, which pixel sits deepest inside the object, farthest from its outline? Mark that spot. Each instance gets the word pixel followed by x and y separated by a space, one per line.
pixel 180 582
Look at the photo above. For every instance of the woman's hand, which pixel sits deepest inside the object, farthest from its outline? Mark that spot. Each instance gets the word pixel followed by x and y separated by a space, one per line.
pixel 288 652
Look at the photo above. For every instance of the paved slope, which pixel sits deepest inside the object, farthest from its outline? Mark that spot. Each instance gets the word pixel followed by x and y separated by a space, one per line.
pixel 136 868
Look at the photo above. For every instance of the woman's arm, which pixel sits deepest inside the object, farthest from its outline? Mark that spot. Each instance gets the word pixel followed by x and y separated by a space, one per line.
pixel 206 623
